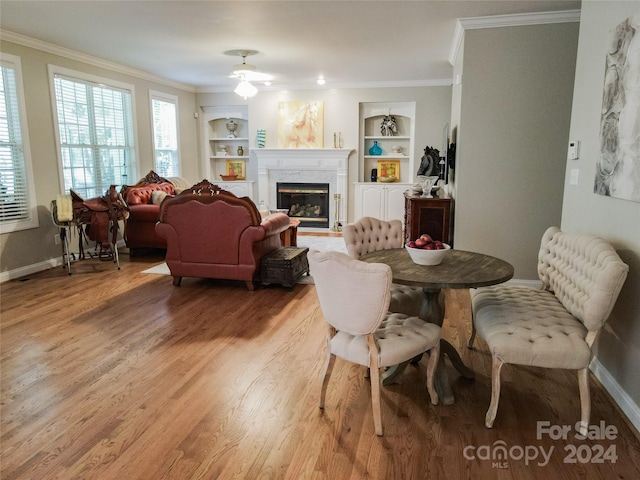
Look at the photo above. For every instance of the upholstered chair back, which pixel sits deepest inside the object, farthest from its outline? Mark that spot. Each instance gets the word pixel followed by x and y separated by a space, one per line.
pixel 142 195
pixel 370 235
pixel 354 295
pixel 584 272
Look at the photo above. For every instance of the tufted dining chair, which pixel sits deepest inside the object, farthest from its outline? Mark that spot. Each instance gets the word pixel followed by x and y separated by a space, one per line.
pixel 354 298
pixel 370 234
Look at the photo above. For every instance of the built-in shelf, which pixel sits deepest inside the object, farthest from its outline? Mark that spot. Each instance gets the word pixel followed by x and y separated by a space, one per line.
pixel 386 137
pixel 394 147
pixel 216 135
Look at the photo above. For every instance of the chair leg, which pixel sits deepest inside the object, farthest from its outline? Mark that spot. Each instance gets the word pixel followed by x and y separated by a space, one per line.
pixel 328 368
pixel 375 400
pixel 495 392
pixel 374 369
pixel 585 400
pixel 177 281
pixel 434 356
pixel 250 285
pixel 472 338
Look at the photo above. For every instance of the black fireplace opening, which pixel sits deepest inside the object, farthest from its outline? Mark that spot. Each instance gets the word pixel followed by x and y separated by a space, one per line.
pixel 308 202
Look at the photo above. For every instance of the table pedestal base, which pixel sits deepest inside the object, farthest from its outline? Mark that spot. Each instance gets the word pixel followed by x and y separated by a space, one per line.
pixel 433 311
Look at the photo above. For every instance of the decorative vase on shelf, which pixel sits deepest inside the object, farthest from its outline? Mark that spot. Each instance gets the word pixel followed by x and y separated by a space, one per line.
pixel 261 138
pixel 232 126
pixel 375 149
pixel 240 151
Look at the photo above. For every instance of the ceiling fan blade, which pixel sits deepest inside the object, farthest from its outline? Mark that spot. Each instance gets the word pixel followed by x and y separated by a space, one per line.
pixel 252 76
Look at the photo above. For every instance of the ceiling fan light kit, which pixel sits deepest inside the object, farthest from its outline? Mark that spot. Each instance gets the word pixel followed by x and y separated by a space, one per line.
pixel 245 89
pixel 247 73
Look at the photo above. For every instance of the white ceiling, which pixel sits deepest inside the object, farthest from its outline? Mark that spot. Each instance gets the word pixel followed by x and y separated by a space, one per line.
pixel 350 43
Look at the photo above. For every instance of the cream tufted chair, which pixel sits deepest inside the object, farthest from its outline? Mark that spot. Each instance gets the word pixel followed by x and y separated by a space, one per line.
pixel 370 235
pixel 553 327
pixel 354 298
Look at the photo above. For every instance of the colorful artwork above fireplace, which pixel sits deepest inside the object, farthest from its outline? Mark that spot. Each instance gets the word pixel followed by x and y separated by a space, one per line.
pixel 301 124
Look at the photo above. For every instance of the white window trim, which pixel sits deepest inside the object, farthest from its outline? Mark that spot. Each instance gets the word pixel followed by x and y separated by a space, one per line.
pixel 57 70
pixel 6 227
pixel 166 97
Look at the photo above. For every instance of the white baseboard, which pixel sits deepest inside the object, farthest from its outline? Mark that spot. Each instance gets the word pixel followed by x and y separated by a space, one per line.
pixel 38 267
pixel 29 269
pixel 619 395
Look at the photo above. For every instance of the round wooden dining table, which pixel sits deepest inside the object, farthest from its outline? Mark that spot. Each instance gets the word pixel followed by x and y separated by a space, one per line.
pixel 459 269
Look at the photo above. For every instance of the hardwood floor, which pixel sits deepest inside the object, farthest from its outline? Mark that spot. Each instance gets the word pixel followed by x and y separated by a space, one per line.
pixel 111 374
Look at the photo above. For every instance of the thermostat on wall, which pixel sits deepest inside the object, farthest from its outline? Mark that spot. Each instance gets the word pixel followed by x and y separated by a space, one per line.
pixel 573 150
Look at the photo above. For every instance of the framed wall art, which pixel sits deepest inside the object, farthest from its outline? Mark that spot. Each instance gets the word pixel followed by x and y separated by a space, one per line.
pixel 618 165
pixel 237 167
pixel 301 124
pixel 388 170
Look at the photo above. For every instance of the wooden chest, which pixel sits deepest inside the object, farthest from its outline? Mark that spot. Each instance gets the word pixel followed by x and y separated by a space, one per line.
pixel 284 266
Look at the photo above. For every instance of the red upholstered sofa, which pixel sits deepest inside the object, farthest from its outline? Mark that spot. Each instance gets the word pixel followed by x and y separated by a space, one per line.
pixel 140 230
pixel 211 233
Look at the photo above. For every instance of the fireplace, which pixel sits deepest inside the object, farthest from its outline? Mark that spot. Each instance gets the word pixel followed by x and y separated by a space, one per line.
pixel 308 202
pixel 307 166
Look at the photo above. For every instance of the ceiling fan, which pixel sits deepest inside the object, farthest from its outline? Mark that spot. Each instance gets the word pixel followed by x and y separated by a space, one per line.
pixel 247 73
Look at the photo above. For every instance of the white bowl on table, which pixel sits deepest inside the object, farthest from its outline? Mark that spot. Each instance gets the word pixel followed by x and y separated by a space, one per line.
pixel 427 257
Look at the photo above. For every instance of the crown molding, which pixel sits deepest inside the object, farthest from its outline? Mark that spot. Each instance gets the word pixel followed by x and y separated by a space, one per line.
pixel 7 36
pixel 446 82
pixel 514 20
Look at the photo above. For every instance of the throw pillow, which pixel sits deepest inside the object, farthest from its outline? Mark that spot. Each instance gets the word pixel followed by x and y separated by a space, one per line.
pixel 157 196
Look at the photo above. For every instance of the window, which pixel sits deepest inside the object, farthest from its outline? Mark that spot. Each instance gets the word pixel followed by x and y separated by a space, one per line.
pixel 164 116
pixel 18 210
pixel 95 131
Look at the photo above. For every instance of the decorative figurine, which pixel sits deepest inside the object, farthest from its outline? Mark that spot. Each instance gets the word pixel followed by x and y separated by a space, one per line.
pixel 388 127
pixel 429 165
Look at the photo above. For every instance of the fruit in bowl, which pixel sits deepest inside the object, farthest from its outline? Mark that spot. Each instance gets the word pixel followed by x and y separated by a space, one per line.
pixel 426 251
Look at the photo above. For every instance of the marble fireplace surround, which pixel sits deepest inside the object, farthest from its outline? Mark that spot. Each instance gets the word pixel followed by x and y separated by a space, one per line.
pixel 304 165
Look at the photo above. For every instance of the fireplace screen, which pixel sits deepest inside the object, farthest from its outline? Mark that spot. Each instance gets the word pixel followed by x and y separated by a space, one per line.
pixel 309 202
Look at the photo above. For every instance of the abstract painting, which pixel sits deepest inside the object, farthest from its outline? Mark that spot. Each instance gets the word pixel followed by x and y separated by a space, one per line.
pixel 618 166
pixel 300 124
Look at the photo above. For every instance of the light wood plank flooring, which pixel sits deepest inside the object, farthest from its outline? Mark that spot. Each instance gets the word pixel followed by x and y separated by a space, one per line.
pixel 111 374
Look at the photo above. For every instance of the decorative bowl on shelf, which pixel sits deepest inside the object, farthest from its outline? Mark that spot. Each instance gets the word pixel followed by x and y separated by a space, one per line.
pixel 387 179
pixel 228 178
pixel 427 257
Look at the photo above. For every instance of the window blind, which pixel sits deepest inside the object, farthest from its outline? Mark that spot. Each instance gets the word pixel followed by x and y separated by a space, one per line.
pixel 165 136
pixel 95 125
pixel 14 186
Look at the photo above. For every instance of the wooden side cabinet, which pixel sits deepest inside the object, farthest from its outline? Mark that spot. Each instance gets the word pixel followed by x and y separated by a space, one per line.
pixel 428 215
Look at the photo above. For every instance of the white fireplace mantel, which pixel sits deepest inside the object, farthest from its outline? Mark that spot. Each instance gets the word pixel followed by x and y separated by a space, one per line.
pixel 306 165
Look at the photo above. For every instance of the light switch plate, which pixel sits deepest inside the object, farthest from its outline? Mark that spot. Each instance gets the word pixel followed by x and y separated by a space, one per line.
pixel 574 176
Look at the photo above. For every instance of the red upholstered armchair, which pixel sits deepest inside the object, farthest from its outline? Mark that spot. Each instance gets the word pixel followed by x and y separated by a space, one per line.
pixel 211 233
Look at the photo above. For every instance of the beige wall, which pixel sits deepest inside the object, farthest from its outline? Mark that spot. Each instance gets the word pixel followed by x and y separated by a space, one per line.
pixel 341 114
pixel 618 348
pixel 30 250
pixel 513 129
